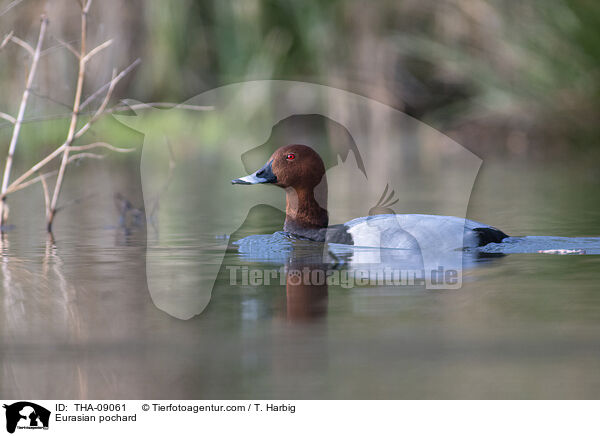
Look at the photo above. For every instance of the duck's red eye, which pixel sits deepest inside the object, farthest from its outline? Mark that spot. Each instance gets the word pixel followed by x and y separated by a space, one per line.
pixel 291 156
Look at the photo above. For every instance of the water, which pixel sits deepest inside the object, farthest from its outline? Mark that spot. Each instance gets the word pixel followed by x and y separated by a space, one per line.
pixel 77 320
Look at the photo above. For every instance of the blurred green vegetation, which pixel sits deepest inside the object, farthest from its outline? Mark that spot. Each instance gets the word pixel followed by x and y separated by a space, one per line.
pixel 500 77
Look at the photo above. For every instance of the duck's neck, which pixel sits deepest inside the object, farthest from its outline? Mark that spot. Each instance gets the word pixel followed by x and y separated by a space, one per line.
pixel 306 210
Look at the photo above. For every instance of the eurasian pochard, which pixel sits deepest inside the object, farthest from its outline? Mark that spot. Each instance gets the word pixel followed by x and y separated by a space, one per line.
pixel 300 171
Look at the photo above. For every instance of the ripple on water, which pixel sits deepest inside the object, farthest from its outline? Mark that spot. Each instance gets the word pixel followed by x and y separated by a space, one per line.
pixel 545 244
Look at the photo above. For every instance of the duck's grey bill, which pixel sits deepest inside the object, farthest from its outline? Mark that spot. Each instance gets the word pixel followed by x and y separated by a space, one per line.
pixel 264 175
pixel 248 180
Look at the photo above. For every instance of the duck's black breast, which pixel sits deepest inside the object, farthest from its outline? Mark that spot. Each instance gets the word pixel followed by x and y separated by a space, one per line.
pixel 338 234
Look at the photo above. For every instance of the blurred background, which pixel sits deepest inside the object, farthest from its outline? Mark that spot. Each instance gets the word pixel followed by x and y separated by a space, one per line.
pixel 499 77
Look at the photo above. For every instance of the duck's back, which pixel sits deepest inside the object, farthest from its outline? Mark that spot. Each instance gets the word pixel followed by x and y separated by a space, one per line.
pixel 415 231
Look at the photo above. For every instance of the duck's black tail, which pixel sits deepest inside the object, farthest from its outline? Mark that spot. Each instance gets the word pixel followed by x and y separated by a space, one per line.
pixel 489 234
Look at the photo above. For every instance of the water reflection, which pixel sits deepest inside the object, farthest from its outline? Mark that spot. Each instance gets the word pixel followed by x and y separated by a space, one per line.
pixel 71 315
pixel 32 300
pixel 297 269
pixel 306 291
pixel 77 319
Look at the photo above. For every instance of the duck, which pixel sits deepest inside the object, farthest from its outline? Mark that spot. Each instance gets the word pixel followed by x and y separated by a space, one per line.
pixel 300 172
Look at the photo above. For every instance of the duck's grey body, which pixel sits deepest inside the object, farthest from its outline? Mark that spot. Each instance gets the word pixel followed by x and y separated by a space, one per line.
pixel 416 231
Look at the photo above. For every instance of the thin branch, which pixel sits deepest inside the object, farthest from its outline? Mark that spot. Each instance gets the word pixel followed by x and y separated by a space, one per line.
pixel 10 6
pixel 106 99
pixel 81 131
pixel 8 117
pixel 107 85
pixel 96 50
pixel 190 107
pixel 73 133
pixel 34 169
pixel 46 193
pixel 100 110
pixel 74 117
pixel 33 181
pixel 87 6
pixel 6 39
pixel 52 48
pixel 103 145
pixel 62 147
pixel 44 176
pixel 23 44
pixel 19 119
pixel 67 46
pixel 47 97
pixel 79 156
pixel 121 108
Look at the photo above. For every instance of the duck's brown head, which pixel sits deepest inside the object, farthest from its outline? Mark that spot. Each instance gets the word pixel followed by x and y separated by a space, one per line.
pixel 301 172
pixel 292 166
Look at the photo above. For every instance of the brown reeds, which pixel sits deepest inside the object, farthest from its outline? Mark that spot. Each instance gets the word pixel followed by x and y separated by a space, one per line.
pixel 67 150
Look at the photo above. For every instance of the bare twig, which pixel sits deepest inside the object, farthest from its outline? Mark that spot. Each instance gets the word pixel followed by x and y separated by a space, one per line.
pixel 10 6
pixel 34 169
pixel 114 80
pixel 49 98
pixel 30 182
pixel 190 107
pixel 103 145
pixel 8 117
pixel 67 148
pixel 83 129
pixel 121 107
pixel 74 117
pixel 96 50
pixel 62 147
pixel 23 44
pixel 44 176
pixel 67 46
pixel 100 109
pixel 80 156
pixel 19 119
pixel 46 193
pixel 5 40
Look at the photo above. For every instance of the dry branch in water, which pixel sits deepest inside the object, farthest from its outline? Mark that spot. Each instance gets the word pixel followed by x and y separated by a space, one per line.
pixel 83 58
pixel 19 120
pixel 65 149
pixel 35 174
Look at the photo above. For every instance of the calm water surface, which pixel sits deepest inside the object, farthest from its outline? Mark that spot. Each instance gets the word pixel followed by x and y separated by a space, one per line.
pixel 77 320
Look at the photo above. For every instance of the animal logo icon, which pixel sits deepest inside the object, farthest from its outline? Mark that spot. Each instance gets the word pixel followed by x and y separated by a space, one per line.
pixel 26 415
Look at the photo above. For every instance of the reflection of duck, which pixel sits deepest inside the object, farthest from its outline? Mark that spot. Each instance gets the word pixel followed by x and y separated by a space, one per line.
pixel 301 172
pixel 306 291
